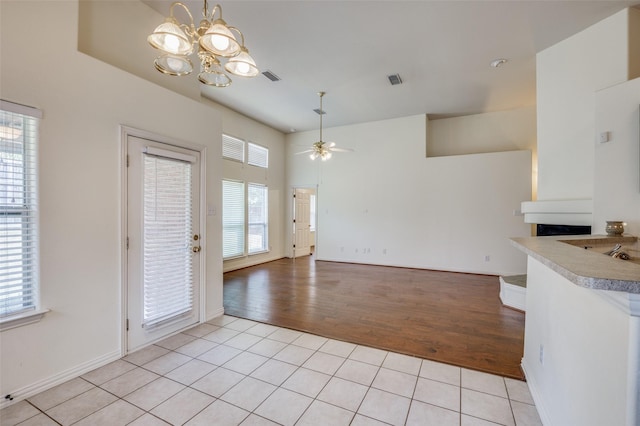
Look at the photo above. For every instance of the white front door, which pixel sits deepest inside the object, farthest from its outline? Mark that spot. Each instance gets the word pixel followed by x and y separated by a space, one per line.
pixel 302 222
pixel 163 234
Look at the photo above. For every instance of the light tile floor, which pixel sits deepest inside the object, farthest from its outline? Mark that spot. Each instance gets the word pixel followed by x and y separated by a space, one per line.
pixel 233 371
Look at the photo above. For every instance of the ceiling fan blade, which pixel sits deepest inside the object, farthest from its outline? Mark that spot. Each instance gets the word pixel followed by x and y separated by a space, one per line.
pixel 335 149
pixel 304 152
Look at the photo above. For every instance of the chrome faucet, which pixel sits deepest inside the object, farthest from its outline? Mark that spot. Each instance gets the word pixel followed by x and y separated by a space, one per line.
pixel 617 253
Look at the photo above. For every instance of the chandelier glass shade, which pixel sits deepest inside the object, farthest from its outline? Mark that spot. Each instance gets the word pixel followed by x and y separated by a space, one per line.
pixel 213 39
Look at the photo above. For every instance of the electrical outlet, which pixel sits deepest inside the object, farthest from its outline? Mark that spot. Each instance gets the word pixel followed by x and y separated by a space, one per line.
pixel 384 251
pixel 487 258
pixel 541 354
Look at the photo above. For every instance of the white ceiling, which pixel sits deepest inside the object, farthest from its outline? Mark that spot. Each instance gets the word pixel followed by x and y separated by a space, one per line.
pixel 441 49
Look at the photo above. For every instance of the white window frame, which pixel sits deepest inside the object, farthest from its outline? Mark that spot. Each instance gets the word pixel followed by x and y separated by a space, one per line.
pixel 233 148
pixel 32 312
pixel 256 162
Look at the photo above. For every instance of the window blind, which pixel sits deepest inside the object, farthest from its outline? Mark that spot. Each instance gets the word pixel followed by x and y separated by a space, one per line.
pixel 167 266
pixel 232 148
pixel 233 230
pixel 257 217
pixel 257 155
pixel 18 208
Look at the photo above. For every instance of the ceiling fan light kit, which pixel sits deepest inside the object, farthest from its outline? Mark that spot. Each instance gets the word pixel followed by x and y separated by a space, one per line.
pixel 321 149
pixel 214 39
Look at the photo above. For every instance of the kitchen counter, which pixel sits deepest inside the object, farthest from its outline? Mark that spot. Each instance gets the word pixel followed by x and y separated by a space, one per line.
pixel 581 259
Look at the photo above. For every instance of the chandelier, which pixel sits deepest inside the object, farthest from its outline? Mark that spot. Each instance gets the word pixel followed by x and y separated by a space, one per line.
pixel 214 40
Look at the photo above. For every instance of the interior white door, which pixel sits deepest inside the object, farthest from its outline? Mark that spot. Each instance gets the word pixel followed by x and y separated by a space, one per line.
pixel 302 222
pixel 163 238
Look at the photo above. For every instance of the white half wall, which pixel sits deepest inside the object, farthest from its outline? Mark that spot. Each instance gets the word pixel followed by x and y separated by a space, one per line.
pixel 386 203
pixel 580 353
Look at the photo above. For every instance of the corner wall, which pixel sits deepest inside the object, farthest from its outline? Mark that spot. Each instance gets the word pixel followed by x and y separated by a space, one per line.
pixel 568 75
pixel 617 162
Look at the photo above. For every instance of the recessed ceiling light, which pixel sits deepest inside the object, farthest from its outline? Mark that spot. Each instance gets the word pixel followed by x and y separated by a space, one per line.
pixel 497 62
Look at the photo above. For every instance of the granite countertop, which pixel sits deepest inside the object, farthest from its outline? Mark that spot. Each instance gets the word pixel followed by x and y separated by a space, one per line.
pixel 590 268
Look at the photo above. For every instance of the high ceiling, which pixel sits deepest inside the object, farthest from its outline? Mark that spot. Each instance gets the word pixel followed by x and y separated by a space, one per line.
pixel 441 49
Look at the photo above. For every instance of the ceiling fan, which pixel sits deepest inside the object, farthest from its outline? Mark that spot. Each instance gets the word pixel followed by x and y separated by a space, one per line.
pixel 322 149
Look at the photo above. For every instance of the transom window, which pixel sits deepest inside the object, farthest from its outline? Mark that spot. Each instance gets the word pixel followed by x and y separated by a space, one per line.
pixel 237 149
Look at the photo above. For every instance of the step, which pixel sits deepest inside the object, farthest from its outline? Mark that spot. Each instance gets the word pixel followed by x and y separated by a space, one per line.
pixel 513 291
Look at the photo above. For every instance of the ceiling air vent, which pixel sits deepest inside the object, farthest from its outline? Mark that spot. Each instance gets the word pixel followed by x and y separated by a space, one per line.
pixel 271 76
pixel 394 79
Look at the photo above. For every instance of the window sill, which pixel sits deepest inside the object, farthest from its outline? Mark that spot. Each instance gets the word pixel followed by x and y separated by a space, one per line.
pixel 22 319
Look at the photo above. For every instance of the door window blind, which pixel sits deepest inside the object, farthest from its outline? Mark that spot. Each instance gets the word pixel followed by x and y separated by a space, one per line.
pixel 232 148
pixel 232 218
pixel 257 217
pixel 18 208
pixel 167 229
pixel 257 155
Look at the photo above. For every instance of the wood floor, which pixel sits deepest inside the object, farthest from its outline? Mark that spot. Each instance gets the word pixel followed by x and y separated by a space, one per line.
pixel 448 317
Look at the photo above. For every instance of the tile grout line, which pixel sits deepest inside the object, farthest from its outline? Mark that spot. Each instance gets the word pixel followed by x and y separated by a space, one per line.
pixel 300 367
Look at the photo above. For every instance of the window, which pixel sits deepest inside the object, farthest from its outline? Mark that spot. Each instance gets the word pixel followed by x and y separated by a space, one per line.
pixel 257 218
pixel 232 219
pixel 18 208
pixel 240 230
pixel 232 148
pixel 167 219
pixel 257 155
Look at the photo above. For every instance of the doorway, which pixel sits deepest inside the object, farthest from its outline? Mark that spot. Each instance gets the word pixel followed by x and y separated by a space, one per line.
pixel 163 239
pixel 304 221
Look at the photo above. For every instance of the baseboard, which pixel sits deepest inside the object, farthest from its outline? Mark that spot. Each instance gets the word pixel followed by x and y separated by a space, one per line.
pixel 513 296
pixel 57 379
pixel 215 314
pixel 537 396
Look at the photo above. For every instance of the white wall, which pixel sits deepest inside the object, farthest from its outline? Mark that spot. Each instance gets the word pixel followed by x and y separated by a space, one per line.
pixel 509 130
pixel 568 75
pixel 387 204
pixel 617 162
pixel 84 102
pixel 587 359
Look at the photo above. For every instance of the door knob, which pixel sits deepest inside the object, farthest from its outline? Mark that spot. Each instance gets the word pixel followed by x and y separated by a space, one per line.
pixel 196 249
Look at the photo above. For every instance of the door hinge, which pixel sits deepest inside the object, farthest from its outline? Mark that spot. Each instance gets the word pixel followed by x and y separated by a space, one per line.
pixel 294 195
pixel 294 221
pixel 127 243
pixel 127 160
pixel 127 324
pixel 294 246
